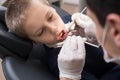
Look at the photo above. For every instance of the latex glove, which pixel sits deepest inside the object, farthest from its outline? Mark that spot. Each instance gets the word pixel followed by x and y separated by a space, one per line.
pixel 71 58
pixel 85 22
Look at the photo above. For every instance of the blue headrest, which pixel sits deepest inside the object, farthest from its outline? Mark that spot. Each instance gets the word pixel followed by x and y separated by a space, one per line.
pixel 11 42
pixel 66 17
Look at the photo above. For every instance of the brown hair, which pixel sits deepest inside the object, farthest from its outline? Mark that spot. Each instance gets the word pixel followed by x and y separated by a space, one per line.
pixel 16 16
pixel 102 8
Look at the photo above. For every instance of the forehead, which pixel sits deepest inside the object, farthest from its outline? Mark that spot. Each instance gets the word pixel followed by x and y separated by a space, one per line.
pixel 39 1
pixel 36 14
pixel 38 9
pixel 38 5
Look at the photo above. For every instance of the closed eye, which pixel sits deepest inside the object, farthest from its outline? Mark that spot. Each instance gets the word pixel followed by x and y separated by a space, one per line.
pixel 40 33
pixel 50 17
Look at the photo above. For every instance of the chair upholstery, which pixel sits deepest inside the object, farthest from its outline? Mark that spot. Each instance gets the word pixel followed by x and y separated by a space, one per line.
pixel 15 69
pixel 10 44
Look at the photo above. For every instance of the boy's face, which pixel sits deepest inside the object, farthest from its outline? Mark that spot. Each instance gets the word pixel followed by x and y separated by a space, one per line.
pixel 44 25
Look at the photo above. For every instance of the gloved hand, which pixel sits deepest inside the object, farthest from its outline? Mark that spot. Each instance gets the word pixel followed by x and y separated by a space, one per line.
pixel 71 58
pixel 85 22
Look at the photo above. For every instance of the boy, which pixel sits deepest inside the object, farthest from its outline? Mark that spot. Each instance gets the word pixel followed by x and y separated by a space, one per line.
pixel 36 20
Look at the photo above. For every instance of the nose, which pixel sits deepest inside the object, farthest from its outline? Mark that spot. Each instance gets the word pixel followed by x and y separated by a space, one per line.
pixel 59 31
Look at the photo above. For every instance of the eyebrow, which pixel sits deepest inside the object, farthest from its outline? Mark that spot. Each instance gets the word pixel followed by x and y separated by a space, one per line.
pixel 46 2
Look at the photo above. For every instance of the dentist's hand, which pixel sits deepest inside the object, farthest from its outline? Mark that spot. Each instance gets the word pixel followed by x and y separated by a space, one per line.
pixel 71 58
pixel 85 22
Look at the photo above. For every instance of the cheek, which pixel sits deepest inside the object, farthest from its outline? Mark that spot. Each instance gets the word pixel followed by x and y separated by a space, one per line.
pixel 59 20
pixel 99 32
pixel 59 23
pixel 48 38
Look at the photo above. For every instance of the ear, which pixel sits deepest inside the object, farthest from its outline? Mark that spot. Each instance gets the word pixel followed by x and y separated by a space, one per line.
pixel 113 21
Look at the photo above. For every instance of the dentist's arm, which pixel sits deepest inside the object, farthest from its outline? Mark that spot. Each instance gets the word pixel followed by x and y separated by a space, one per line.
pixel 71 58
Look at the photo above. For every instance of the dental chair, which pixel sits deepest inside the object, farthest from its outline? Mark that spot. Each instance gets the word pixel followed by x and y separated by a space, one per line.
pixel 23 60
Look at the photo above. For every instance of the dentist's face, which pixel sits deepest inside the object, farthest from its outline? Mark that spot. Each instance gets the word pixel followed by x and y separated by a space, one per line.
pixel 99 28
pixel 112 38
pixel 44 25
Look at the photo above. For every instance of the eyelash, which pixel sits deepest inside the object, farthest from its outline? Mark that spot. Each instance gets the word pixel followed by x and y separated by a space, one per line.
pixel 41 33
pixel 50 18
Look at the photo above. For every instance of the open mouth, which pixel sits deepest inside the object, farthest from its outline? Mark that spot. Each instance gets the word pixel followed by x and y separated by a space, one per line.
pixel 62 35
